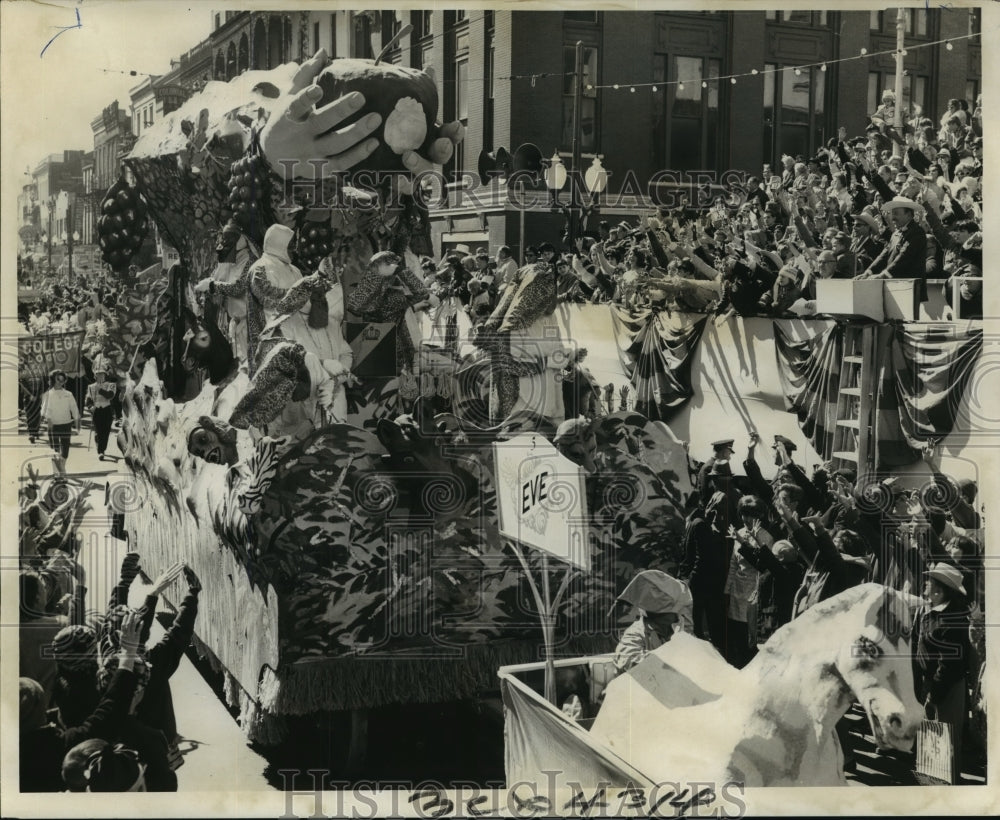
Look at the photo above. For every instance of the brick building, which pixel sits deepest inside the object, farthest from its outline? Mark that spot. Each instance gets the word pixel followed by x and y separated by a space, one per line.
pixel 704 125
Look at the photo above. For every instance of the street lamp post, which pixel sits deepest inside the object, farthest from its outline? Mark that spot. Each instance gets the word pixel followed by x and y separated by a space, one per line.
pixel 596 179
pixel 69 241
pixel 51 208
pixel 897 123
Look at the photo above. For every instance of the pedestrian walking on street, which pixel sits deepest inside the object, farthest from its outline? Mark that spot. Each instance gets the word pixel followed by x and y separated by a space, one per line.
pixel 99 397
pixel 60 413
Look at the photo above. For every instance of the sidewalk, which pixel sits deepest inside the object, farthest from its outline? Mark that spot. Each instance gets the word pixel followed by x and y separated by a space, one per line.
pixel 216 754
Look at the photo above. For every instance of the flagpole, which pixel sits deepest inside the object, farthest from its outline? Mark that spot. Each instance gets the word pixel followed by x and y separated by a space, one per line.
pixel 548 632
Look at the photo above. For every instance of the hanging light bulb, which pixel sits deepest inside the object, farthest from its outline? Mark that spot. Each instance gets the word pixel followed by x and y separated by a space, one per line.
pixel 680 87
pixel 864 51
pixel 903 53
pixel 632 89
pixel 615 86
pixel 590 87
pixel 704 84
pixel 949 46
pixel 798 72
pixel 654 88
pixel 732 80
pixel 823 67
pixel 754 71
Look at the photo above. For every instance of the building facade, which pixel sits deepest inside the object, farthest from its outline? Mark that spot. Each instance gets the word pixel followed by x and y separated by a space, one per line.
pixel 113 138
pixel 507 75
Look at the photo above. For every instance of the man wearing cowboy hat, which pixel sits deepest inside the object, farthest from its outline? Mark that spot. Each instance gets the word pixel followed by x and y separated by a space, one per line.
pixel 941 651
pixel 665 607
pixel 905 256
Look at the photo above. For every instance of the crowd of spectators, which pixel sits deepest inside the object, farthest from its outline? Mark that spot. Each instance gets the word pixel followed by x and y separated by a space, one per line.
pixel 96 712
pixel 885 204
pixel 758 553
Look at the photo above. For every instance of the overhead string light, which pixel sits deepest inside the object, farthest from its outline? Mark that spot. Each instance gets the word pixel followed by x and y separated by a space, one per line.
pixel 754 72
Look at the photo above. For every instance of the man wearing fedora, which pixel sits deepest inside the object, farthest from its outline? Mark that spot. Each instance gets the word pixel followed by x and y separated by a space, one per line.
pixel 941 652
pixel 865 244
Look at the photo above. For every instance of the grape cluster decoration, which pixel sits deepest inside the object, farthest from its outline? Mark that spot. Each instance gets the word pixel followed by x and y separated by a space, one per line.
pixel 123 224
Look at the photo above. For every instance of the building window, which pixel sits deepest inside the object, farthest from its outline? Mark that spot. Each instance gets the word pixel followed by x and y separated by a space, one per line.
pixel 916 22
pixel 687 115
pixel 333 36
pixel 975 21
pixel 422 24
pixel 490 90
pixel 875 21
pixel 580 16
pixel 315 37
pixel 461 110
pixel 391 26
pixel 363 37
pixel 794 112
pixel 459 16
pixel 462 89
pixel 972 92
pixel 218 20
pixel 588 108
pixel 806 18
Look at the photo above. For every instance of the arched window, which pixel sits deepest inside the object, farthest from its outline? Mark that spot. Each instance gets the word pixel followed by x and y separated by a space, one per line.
pixel 259 46
pixel 243 61
pixel 231 61
pixel 286 42
pixel 274 57
pixel 220 66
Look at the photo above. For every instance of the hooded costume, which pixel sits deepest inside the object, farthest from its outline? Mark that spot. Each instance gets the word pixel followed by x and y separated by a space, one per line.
pixel 277 289
pixel 231 280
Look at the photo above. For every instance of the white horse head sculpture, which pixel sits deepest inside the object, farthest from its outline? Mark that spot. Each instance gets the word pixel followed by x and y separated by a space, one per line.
pixel 772 723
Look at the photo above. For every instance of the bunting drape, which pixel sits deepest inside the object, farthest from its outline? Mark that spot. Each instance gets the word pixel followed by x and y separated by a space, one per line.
pixel 931 364
pixel 655 350
pixel 809 368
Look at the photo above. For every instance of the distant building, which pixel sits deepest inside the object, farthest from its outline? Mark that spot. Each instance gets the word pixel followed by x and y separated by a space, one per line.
pixel 113 138
pixel 243 40
pixel 89 203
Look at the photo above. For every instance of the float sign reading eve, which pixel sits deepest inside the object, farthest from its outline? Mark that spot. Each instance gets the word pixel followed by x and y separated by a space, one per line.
pixel 541 498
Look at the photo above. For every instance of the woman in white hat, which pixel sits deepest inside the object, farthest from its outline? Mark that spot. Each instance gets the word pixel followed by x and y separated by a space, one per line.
pixel 941 651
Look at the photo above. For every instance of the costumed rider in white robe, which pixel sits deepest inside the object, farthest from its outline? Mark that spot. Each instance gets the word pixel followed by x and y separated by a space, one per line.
pixel 308 310
pixel 665 607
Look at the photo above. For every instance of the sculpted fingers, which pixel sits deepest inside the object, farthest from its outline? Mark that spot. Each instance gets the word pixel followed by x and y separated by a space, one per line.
pixel 332 114
pixel 309 70
pixel 301 106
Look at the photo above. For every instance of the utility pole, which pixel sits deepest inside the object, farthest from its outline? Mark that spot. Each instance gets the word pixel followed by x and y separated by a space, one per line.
pixel 900 45
pixel 69 237
pixel 575 200
pixel 52 205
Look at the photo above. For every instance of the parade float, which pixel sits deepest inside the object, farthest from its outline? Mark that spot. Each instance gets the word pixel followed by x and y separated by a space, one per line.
pixel 325 455
pixel 333 484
